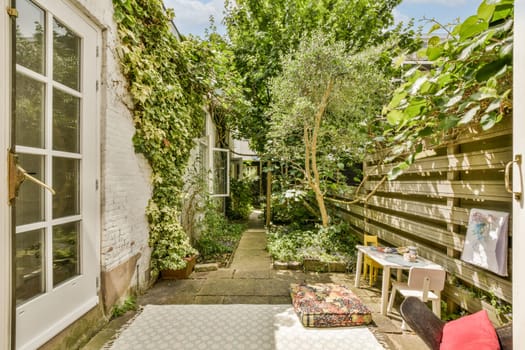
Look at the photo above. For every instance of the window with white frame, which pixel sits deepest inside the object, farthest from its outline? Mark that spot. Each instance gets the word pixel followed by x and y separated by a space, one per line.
pixel 221 172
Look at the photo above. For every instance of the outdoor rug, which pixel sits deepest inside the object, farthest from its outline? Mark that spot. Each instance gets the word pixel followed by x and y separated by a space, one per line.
pixel 234 327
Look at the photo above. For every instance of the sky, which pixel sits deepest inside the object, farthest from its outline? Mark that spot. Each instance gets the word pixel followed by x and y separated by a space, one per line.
pixel 192 16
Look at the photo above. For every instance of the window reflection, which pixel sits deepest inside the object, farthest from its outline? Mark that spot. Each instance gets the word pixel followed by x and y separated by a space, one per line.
pixel 66 115
pixel 66 56
pixel 29 265
pixel 66 184
pixel 30 36
pixel 29 110
pixel 65 252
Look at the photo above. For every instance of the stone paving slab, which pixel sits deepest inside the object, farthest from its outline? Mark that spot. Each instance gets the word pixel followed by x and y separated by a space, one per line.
pixel 250 279
pixel 220 274
pixel 228 287
pixel 253 274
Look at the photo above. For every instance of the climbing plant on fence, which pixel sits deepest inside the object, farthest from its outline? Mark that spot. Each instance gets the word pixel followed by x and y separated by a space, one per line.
pixel 469 86
pixel 168 89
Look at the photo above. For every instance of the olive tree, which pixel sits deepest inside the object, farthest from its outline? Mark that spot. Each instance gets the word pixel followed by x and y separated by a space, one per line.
pixel 322 104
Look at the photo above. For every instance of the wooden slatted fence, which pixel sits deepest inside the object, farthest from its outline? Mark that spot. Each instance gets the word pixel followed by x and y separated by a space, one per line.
pixel 428 206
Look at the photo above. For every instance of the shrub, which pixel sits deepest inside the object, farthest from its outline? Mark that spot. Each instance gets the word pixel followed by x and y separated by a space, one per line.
pixel 295 243
pixel 240 200
pixel 218 235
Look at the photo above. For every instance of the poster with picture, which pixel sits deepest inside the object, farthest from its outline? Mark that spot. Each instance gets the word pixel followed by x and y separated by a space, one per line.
pixel 486 240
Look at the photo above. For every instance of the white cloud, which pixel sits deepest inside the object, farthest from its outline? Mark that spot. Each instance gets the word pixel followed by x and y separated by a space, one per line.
pixel 449 3
pixel 400 17
pixel 192 16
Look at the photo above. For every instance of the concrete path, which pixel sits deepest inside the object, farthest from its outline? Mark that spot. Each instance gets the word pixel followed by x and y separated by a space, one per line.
pixel 251 279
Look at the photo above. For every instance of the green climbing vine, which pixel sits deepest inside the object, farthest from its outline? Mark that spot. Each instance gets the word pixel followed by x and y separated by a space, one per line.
pixel 167 94
pixel 172 82
pixel 470 85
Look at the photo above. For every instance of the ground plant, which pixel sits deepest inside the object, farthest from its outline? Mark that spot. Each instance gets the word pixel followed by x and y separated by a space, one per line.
pixel 296 243
pixel 218 236
pixel 130 304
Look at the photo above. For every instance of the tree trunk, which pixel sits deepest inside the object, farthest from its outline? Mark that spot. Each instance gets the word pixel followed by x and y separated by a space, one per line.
pixel 315 180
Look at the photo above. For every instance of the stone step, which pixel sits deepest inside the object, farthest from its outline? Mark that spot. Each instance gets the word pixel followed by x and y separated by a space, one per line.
pixel 206 267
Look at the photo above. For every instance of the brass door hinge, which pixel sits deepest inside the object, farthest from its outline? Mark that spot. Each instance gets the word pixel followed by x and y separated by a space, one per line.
pixel 12 12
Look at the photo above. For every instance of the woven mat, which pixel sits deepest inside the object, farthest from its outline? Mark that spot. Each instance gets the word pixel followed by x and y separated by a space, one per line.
pixel 234 327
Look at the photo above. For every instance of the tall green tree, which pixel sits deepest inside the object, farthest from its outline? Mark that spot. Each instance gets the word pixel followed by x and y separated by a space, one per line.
pixel 263 31
pixel 322 102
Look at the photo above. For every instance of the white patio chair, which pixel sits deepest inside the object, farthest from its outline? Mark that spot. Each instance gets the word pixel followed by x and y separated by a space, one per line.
pixel 424 284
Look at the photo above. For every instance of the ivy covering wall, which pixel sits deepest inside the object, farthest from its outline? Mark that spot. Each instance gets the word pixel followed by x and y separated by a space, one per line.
pixel 166 85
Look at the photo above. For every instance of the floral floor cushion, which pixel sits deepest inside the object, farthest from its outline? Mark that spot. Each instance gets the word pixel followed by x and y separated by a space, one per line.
pixel 328 305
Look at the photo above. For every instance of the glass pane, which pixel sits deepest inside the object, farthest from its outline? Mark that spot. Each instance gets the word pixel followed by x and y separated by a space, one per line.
pixel 65 252
pixel 66 117
pixel 29 112
pixel 66 184
pixel 220 175
pixel 30 36
pixel 30 201
pixel 29 261
pixel 66 56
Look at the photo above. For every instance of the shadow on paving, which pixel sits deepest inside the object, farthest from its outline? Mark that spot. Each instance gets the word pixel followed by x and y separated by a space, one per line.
pixel 251 279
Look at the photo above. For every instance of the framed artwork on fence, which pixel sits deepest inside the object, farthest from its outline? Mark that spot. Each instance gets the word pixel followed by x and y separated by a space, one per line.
pixel 486 242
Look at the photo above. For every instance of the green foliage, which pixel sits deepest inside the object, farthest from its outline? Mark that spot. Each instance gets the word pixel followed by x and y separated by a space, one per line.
pixel 289 206
pixel 322 102
pixel 449 316
pixel 264 31
pixel 170 244
pixel 470 84
pixel 295 243
pixel 218 235
pixel 241 198
pixel 166 83
pixel 128 305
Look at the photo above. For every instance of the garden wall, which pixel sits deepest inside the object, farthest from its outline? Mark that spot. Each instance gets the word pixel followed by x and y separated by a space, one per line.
pixel 428 206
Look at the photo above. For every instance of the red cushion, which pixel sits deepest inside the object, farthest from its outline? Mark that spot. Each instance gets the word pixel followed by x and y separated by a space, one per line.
pixel 472 332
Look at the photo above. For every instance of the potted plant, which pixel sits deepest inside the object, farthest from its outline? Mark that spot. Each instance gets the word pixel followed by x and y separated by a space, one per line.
pixel 172 255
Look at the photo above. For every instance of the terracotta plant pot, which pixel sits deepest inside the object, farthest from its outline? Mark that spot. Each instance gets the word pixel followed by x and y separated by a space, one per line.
pixel 181 273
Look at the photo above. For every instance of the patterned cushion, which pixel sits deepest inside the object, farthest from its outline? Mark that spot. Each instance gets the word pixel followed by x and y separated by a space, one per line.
pixel 328 305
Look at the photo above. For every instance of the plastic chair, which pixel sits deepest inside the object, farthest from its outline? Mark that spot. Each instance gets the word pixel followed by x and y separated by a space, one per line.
pixel 424 284
pixel 370 266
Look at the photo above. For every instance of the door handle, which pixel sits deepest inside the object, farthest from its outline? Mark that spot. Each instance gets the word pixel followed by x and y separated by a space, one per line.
pixel 17 175
pixel 508 185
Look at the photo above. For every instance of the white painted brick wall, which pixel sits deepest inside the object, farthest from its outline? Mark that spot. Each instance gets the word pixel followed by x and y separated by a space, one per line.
pixel 125 179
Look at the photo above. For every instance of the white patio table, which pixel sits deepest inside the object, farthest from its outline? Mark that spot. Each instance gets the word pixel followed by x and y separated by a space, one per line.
pixel 388 261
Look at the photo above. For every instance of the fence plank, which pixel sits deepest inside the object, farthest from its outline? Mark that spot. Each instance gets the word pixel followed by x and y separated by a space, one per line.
pixel 476 190
pixel 480 160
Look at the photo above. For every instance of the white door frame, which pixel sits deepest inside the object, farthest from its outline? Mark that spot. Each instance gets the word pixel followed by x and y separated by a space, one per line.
pixel 91 260
pixel 518 209
pixel 5 211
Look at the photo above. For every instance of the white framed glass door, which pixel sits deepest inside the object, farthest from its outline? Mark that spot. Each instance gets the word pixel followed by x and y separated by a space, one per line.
pixel 55 243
